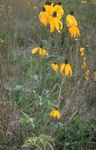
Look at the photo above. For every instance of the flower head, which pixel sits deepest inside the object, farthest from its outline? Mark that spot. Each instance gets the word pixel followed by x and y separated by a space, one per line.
pixel 81 49
pixel 55 23
pixel 55 66
pixel 49 8
pixel 66 68
pixel 40 50
pixel 43 17
pixel 55 113
pixel 58 8
pixel 71 20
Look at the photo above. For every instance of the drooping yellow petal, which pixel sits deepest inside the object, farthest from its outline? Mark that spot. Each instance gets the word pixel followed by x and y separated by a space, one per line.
pixel 55 113
pixel 43 17
pixel 62 68
pixel 52 24
pixel 81 49
pixel 55 67
pixel 43 52
pixel 49 9
pixel 68 70
pixel 74 31
pixel 55 23
pixel 71 21
pixel 34 50
pixel 59 10
pixel 51 113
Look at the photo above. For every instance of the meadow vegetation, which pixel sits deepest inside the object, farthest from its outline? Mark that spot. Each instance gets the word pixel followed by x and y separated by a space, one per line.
pixel 42 106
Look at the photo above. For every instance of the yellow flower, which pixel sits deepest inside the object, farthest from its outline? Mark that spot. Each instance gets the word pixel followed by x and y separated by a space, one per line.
pixel 55 67
pixel 84 65
pixel 49 8
pixel 55 113
pixel 43 17
pixel 58 8
pixel 41 51
pixel 70 20
pixel 81 49
pixel 55 23
pixel 87 74
pixel 34 50
pixel 66 69
pixel 74 31
pixel 95 75
pixel 62 68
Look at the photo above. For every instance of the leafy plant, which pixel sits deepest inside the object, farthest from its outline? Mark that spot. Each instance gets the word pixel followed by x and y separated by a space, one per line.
pixel 42 142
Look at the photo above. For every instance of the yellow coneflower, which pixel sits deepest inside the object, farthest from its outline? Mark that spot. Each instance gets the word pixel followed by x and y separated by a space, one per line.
pixel 55 113
pixel 81 49
pixel 87 74
pixel 55 66
pixel 49 8
pixel 74 31
pixel 66 68
pixel 55 23
pixel 71 20
pixel 58 8
pixel 43 17
pixel 41 51
pixel 62 68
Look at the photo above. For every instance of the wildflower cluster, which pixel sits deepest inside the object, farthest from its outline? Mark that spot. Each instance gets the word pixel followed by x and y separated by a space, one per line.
pixel 84 59
pixel 72 24
pixel 51 14
pixel 84 63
